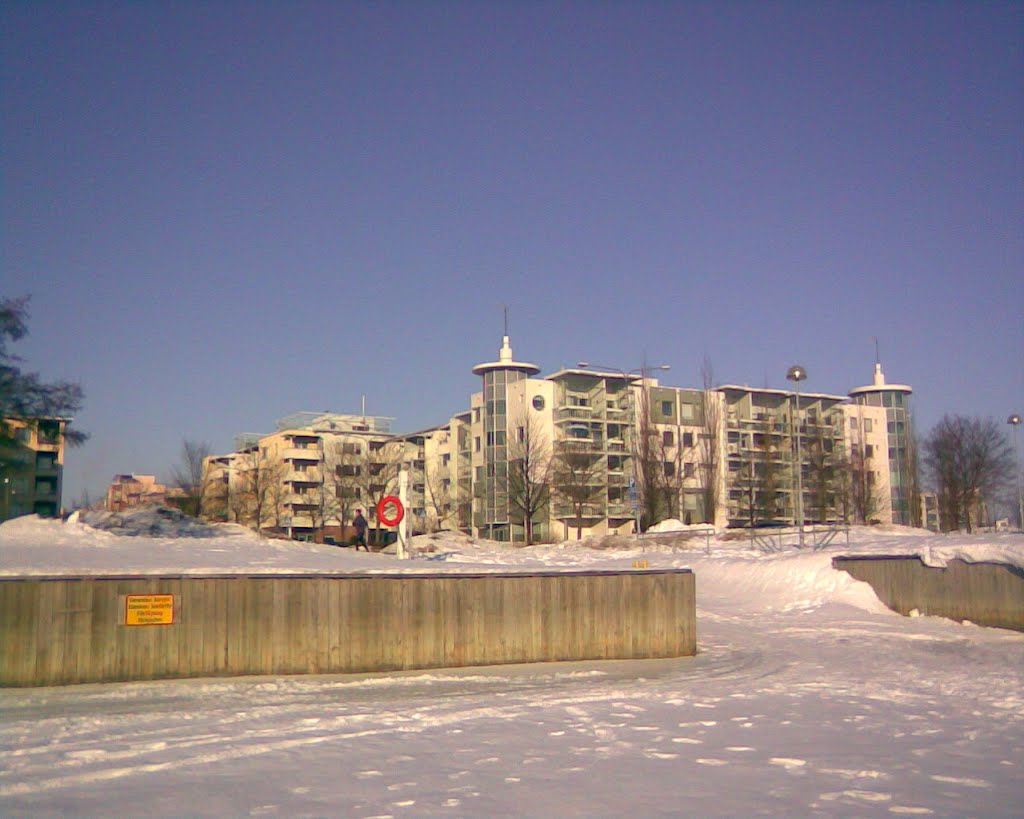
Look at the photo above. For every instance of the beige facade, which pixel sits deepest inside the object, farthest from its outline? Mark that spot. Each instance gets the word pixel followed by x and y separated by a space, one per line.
pixel 32 467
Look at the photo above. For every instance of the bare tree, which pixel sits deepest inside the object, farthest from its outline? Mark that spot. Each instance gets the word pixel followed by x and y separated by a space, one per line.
pixel 912 477
pixel 822 473
pixel 381 465
pixel 767 472
pixel 258 477
pixel 969 461
pixel 344 466
pixel 190 476
pixel 710 442
pixel 529 472
pixel 652 476
pixel 858 476
pixel 575 480
pixel 438 490
pixel 277 496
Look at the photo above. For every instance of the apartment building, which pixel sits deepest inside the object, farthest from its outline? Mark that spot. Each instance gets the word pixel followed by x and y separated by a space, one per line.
pixel 591 441
pixel 306 479
pixel 639 452
pixel 32 467
pixel 581 451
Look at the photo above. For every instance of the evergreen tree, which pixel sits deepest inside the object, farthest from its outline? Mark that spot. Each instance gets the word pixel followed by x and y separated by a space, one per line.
pixel 23 395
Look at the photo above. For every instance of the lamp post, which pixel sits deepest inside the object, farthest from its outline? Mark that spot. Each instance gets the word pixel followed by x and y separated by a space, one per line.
pixel 634 452
pixel 796 374
pixel 1014 421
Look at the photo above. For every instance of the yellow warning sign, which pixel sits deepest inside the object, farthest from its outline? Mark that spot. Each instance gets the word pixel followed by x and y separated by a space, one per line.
pixel 149 609
pixel 640 564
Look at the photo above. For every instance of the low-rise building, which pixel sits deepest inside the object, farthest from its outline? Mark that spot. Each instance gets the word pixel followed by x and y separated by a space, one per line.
pixel 126 491
pixel 32 467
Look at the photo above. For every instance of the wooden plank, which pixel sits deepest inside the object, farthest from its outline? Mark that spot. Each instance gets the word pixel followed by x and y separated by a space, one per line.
pixel 18 614
pixel 51 631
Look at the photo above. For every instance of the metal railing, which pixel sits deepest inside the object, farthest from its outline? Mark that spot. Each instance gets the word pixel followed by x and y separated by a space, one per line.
pixel 707 533
pixel 771 539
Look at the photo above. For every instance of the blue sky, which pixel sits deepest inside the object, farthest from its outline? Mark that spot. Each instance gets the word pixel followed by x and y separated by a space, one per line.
pixel 226 212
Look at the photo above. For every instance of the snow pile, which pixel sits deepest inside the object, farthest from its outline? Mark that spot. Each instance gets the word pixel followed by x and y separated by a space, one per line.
pixel 146 521
pixel 676 525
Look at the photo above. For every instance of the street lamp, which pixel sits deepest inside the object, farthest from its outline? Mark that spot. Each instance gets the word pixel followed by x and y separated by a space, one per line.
pixel 796 374
pixel 634 454
pixel 1014 421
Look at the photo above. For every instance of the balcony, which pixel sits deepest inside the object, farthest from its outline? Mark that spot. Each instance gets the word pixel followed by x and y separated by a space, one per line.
pixel 300 454
pixel 579 445
pixel 310 478
pixel 574 414
pixel 588 511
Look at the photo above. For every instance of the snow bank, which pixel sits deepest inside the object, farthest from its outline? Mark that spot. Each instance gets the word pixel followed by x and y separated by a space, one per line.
pixel 727 567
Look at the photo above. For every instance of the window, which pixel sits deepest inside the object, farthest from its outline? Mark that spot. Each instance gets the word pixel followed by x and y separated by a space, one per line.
pixel 667 439
pixel 666 408
pixel 689 469
pixel 687 439
pixel 867 425
pixel 351 449
pixel 853 423
pixel 538 402
pixel 521 434
pixel 476 443
pixel 688 411
pixel 669 469
pixel 444 459
pixel 869 451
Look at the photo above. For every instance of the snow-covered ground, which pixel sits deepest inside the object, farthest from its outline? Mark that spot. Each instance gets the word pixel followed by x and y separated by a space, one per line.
pixel 808 697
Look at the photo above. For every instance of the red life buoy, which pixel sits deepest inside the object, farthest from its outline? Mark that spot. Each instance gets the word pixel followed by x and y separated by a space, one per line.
pixel 382 505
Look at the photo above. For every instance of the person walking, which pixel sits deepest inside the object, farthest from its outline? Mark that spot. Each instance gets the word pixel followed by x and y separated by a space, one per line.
pixel 359 524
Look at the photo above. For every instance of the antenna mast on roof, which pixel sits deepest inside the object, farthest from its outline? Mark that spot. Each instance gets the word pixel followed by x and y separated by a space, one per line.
pixel 504 309
pixel 878 358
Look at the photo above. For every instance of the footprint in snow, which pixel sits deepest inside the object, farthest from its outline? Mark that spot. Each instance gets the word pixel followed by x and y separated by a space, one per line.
pixel 788 764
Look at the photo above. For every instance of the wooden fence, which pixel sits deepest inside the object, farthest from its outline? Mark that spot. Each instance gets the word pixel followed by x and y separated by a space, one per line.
pixel 989 594
pixel 61 630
